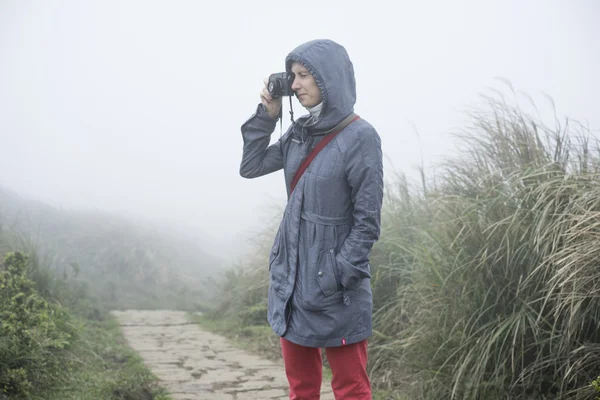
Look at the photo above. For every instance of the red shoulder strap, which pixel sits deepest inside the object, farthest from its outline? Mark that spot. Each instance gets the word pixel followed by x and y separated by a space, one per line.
pixel 317 149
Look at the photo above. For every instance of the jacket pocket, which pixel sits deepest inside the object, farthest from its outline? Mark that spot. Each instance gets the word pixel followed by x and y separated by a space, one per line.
pixel 326 272
pixel 275 250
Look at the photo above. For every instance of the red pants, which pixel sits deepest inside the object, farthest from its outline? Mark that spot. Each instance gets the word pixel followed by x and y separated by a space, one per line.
pixel 303 367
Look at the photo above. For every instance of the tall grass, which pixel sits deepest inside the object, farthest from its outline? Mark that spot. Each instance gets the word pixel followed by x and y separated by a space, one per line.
pixel 241 294
pixel 498 298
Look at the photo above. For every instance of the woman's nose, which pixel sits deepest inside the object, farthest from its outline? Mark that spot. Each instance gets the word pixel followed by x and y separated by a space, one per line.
pixel 295 84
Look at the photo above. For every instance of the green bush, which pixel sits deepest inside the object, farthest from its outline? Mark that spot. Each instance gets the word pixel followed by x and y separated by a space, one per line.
pixel 596 386
pixel 32 332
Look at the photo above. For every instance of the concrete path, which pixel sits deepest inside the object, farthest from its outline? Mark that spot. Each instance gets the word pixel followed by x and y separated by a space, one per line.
pixel 197 365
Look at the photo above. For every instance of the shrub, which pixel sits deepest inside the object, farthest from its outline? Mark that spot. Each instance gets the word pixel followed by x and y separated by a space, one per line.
pixel 32 331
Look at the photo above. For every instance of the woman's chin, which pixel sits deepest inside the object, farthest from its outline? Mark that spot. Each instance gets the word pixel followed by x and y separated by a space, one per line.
pixel 306 103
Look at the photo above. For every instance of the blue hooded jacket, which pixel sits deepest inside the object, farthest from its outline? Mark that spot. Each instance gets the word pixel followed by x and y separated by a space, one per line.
pixel 319 293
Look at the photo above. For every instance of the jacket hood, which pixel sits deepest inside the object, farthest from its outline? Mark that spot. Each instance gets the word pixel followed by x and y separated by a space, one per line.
pixel 333 71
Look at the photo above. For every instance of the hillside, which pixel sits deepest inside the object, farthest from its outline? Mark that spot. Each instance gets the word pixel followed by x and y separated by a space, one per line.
pixel 125 263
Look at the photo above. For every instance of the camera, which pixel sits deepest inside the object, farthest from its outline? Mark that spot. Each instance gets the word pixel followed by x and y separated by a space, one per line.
pixel 280 84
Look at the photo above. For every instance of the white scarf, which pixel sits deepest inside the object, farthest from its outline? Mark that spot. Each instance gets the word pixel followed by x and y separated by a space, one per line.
pixel 314 114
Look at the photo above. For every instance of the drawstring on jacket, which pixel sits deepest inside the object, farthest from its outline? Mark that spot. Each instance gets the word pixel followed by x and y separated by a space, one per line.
pixel 281 117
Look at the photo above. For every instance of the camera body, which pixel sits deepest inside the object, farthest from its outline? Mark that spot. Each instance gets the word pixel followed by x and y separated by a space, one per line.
pixel 280 84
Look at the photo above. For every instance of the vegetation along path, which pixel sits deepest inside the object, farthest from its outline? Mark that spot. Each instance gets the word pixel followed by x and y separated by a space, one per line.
pixel 194 364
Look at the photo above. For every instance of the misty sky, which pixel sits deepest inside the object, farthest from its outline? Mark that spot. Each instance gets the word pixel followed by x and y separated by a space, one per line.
pixel 136 106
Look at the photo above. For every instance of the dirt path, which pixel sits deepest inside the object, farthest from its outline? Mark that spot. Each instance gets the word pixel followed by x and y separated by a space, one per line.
pixel 197 365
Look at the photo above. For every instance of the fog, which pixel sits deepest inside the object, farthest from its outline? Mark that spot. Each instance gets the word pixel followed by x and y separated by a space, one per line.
pixel 135 107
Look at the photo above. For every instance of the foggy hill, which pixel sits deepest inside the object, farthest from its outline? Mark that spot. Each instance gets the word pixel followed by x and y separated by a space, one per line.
pixel 125 262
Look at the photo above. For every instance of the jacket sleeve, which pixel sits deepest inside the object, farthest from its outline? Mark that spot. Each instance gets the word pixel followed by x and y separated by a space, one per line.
pixel 258 158
pixel 364 172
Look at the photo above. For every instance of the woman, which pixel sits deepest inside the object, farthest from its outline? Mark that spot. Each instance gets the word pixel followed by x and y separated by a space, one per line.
pixel 319 293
